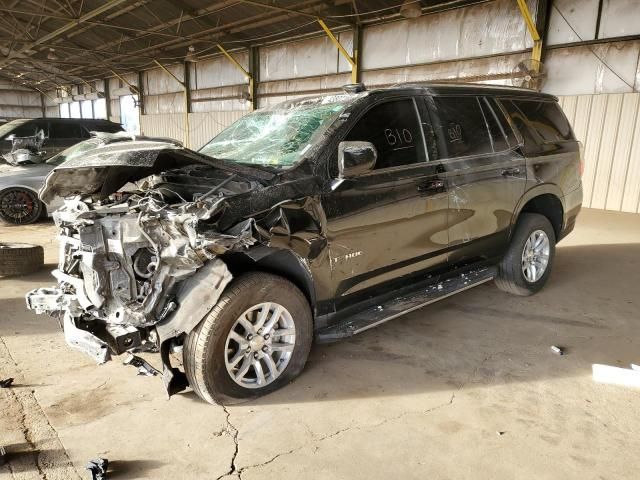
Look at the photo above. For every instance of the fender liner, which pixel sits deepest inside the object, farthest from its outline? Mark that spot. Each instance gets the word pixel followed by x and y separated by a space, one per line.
pixel 536 191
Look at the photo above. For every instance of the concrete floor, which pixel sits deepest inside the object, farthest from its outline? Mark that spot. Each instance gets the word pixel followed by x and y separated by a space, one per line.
pixel 467 388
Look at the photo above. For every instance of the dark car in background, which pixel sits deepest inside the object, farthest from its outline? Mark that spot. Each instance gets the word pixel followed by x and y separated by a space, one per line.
pixel 57 133
pixel 319 217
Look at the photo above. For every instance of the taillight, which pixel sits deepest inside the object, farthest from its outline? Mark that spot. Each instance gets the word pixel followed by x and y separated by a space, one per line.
pixel 581 150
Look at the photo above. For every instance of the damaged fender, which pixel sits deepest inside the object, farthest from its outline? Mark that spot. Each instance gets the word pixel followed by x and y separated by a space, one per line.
pixel 196 297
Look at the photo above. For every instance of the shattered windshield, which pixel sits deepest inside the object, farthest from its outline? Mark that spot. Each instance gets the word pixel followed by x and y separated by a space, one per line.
pixel 73 151
pixel 277 137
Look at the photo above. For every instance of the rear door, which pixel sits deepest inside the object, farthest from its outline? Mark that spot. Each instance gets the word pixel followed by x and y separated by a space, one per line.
pixel 391 222
pixel 64 134
pixel 486 174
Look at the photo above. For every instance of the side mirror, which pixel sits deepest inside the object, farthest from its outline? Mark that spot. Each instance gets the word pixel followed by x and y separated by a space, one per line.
pixel 356 158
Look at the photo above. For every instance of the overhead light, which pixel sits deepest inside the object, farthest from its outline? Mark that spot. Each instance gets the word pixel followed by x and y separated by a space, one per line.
pixel 410 9
pixel 52 54
pixel 191 55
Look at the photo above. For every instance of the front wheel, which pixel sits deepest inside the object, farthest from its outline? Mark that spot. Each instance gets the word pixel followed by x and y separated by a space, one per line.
pixel 255 340
pixel 527 264
pixel 20 206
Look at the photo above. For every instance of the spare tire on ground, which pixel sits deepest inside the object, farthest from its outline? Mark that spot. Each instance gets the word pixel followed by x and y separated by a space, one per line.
pixel 20 258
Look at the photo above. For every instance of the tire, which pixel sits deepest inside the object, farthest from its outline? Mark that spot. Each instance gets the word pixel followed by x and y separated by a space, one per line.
pixel 20 258
pixel 209 346
pixel 511 276
pixel 20 206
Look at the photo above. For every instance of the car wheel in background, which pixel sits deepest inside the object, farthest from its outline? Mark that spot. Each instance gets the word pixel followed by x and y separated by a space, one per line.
pixel 255 340
pixel 20 206
pixel 20 258
pixel 527 264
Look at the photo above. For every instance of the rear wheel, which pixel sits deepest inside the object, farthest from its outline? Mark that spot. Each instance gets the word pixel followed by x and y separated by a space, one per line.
pixel 20 206
pixel 255 340
pixel 527 264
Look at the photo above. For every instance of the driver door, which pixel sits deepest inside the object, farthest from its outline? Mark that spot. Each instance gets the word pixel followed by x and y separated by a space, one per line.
pixel 391 222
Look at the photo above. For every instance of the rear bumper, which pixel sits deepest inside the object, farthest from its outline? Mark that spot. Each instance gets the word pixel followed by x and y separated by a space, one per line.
pixel 572 206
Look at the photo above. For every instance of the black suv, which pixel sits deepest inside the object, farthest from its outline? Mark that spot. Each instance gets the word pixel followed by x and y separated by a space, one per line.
pixel 58 133
pixel 322 216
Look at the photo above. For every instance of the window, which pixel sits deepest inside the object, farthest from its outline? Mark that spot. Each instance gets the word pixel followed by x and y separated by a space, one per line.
pixel 100 108
pixel 129 113
pixel 462 129
pixel 394 129
pixel 503 122
pixel 87 108
pixel 74 110
pixel 64 110
pixel 545 119
pixel 496 130
pixel 28 129
pixel 66 130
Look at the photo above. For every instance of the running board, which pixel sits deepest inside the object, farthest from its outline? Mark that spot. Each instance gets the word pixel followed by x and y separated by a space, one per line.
pixel 374 316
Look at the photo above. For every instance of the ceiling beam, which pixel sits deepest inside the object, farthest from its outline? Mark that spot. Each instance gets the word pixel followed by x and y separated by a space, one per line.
pixel 65 28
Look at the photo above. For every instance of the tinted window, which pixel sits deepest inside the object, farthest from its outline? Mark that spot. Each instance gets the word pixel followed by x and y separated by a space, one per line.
pixel 503 121
pixel 462 129
pixel 104 127
pixel 498 137
pixel 66 130
pixel 545 119
pixel 529 135
pixel 28 129
pixel 394 128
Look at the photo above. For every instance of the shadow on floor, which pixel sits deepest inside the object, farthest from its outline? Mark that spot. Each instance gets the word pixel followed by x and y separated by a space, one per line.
pixel 481 337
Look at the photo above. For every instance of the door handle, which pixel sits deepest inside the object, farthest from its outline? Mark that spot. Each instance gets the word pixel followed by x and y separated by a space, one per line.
pixel 431 186
pixel 508 172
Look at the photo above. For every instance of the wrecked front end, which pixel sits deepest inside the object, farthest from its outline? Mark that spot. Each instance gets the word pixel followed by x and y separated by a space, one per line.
pixel 139 247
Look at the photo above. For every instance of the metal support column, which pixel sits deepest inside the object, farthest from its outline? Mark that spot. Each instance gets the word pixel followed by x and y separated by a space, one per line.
pixel 536 53
pixel 254 70
pixel 186 102
pixel 107 98
pixel 341 49
pixel 246 73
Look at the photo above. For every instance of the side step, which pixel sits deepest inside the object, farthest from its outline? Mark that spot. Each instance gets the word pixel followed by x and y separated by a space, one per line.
pixel 374 316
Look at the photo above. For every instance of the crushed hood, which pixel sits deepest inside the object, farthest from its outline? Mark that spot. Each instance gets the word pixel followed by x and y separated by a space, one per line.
pixel 101 166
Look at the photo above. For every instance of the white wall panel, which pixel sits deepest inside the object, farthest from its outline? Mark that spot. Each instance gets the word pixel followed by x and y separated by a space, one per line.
pixel 619 18
pixel 578 70
pixel 158 81
pixel 312 57
pixel 219 72
pixel 608 127
pixel 202 126
pixel 581 15
pixel 485 29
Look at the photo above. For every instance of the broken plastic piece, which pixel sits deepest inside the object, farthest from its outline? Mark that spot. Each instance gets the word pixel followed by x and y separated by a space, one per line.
pixel 6 383
pixel 557 350
pixel 98 468
pixel 144 367
pixel 3 455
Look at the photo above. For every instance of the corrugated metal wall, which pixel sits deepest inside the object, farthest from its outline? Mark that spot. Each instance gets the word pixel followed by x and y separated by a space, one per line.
pixel 203 126
pixel 609 129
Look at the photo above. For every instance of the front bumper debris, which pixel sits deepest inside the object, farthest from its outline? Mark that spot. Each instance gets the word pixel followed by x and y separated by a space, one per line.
pixel 85 341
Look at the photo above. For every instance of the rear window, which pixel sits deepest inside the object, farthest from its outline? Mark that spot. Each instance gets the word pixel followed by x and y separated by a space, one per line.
pixel 545 120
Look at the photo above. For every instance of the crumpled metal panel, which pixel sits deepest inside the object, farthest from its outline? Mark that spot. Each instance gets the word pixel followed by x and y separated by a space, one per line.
pixel 485 29
pixel 312 57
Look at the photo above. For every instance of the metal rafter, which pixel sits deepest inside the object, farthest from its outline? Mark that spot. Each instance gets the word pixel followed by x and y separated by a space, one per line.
pixel 56 33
